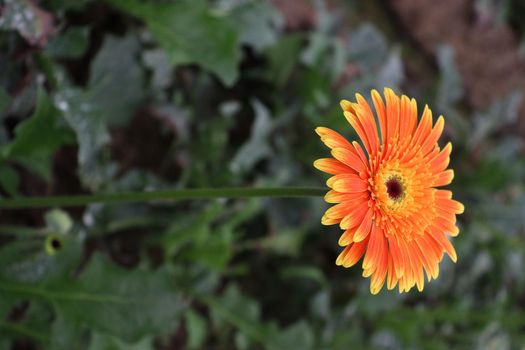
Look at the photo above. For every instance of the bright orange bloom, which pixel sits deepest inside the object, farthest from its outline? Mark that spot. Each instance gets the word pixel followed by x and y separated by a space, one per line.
pixel 387 201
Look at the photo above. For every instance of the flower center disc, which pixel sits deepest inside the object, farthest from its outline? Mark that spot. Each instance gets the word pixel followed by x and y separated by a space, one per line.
pixel 394 188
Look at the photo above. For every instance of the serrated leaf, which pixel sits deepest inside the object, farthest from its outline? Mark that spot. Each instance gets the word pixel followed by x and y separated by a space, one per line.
pixel 191 34
pixel 367 45
pixel 91 130
pixel 38 137
pixel 72 43
pixel 258 24
pixel 116 80
pixel 125 304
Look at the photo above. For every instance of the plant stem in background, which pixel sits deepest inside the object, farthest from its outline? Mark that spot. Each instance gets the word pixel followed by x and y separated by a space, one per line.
pixel 161 195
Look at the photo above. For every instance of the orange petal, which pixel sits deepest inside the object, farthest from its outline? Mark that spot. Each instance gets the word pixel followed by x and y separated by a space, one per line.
pixel 350 184
pixel 443 241
pixel 364 228
pixel 359 129
pixel 366 117
pixel 349 158
pixel 378 278
pixel 395 251
pixel 376 246
pixel 450 205
pixel 351 254
pixel 441 161
pixel 331 166
pixel 350 176
pixel 391 274
pixel 431 141
pixel 332 138
pixel 446 227
pixel 424 127
pixel 392 110
pixel 342 209
pixel 355 217
pixel 444 178
pixel 381 114
pixel 338 197
pixel 347 237
pixel 428 258
pixel 408 117
pixel 346 106
pixel 329 221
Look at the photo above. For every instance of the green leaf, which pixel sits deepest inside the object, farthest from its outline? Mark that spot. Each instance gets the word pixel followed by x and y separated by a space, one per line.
pixel 195 238
pixel 26 261
pixel 191 34
pixel 368 46
pixel 244 313
pixel 9 179
pixel 162 71
pixel 197 329
pixel 91 130
pixel 187 228
pixel 106 342
pixel 258 24
pixel 116 81
pixel 68 335
pixel 5 344
pixel 240 311
pixel 283 58
pixel 72 43
pixel 286 241
pixel 125 304
pixel 257 147
pixel 304 272
pixel 21 331
pixel 297 336
pixel 38 137
pixel 212 248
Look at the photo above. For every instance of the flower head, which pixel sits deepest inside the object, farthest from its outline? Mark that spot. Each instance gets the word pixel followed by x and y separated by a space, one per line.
pixel 386 195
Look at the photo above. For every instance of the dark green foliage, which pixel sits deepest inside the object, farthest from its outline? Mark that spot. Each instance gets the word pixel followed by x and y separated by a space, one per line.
pixel 134 95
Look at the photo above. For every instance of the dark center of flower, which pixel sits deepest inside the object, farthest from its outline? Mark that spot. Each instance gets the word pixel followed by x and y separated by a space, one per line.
pixel 394 188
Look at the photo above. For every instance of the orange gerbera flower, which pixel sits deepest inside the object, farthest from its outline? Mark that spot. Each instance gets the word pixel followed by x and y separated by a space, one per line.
pixel 387 201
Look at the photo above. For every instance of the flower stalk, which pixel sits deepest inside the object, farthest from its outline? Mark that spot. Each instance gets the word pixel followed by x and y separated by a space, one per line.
pixel 160 195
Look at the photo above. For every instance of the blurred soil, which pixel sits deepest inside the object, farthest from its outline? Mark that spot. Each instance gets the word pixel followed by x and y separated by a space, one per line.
pixel 487 52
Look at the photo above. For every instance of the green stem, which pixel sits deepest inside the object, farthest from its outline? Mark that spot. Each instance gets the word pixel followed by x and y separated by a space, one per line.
pixel 161 195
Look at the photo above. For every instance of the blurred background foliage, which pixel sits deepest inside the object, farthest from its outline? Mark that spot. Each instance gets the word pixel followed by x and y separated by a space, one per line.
pixel 121 95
